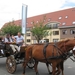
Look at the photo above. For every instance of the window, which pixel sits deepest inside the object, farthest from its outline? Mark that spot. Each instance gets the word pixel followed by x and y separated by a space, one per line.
pixel 55 26
pixel 31 22
pixel 28 29
pixel 63 23
pixel 73 22
pixel 49 26
pixel 49 20
pixel 64 32
pixel 66 16
pixel 34 41
pixel 36 21
pixel 72 31
pixel 55 32
pixel 28 34
pixel 55 40
pixel 28 40
pixel 60 17
pixel 42 41
pixel 47 40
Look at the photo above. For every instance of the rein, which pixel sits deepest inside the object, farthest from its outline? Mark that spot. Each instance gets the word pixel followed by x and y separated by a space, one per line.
pixel 65 54
pixel 73 59
pixel 68 54
pixel 60 51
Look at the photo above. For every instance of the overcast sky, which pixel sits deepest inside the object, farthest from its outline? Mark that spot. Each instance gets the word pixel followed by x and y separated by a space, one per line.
pixel 12 9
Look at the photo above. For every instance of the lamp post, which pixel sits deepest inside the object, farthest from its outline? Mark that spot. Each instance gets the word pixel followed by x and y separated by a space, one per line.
pixel 24 20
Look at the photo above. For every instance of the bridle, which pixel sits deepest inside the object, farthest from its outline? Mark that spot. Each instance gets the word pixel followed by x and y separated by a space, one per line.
pixel 64 54
pixel 70 54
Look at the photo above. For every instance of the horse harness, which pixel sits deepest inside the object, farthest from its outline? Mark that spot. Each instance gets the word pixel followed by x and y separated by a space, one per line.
pixel 62 56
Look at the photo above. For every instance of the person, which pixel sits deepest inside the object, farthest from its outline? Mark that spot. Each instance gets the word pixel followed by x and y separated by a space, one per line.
pixel 1 47
pixel 8 40
pixel 19 39
pixel 13 38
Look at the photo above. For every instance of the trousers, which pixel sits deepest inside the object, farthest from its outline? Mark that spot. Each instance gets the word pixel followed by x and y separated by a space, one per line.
pixel 14 48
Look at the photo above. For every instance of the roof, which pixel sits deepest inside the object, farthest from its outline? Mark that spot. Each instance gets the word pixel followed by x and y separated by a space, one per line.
pixel 65 17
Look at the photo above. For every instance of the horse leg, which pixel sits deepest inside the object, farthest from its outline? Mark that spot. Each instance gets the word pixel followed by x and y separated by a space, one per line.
pixel 35 67
pixel 48 68
pixel 54 65
pixel 26 60
pixel 24 66
pixel 58 69
pixel 62 68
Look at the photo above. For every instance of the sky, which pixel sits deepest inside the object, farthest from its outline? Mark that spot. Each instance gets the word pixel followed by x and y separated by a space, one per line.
pixel 12 9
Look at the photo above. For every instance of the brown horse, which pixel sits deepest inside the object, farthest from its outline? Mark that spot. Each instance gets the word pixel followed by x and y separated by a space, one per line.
pixel 54 54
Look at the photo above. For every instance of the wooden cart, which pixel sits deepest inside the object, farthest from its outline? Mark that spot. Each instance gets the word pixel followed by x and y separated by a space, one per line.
pixel 12 59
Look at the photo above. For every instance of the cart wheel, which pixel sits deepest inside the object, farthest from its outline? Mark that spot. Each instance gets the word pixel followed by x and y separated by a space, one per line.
pixel 31 63
pixel 11 64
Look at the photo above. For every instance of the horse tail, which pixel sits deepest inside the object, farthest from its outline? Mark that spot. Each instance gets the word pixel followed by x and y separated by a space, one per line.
pixel 28 54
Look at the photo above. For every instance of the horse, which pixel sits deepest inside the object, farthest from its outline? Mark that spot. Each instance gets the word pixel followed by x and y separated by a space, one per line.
pixel 53 53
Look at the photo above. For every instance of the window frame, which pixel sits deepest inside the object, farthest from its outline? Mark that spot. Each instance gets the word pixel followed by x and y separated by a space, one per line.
pixel 28 40
pixel 55 32
pixel 73 31
pixel 64 32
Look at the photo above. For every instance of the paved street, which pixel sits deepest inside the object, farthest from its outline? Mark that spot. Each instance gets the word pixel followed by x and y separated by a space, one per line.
pixel 69 68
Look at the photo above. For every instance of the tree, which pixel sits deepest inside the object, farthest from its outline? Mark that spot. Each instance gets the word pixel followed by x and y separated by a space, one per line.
pixel 39 30
pixel 11 28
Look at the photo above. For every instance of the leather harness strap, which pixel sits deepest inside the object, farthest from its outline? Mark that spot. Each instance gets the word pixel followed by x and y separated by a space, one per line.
pixel 44 51
pixel 62 54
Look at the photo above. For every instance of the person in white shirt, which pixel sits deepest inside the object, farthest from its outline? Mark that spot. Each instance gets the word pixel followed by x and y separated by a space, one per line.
pixel 9 40
pixel 19 39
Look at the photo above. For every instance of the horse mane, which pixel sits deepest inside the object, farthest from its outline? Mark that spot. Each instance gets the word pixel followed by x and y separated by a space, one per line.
pixel 63 41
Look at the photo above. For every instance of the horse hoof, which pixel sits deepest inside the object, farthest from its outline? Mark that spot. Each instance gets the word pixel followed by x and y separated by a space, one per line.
pixel 50 73
pixel 37 73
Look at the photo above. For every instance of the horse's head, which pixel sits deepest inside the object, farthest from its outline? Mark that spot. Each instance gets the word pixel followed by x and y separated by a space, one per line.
pixel 70 43
pixel 67 45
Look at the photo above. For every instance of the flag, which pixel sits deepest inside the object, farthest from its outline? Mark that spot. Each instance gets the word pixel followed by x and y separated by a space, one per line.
pixel 24 18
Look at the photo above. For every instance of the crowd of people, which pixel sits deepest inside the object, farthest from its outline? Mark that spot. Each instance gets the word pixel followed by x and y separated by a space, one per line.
pixel 18 39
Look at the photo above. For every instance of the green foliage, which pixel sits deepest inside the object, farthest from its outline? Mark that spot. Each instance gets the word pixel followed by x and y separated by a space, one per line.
pixel 11 28
pixel 39 31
